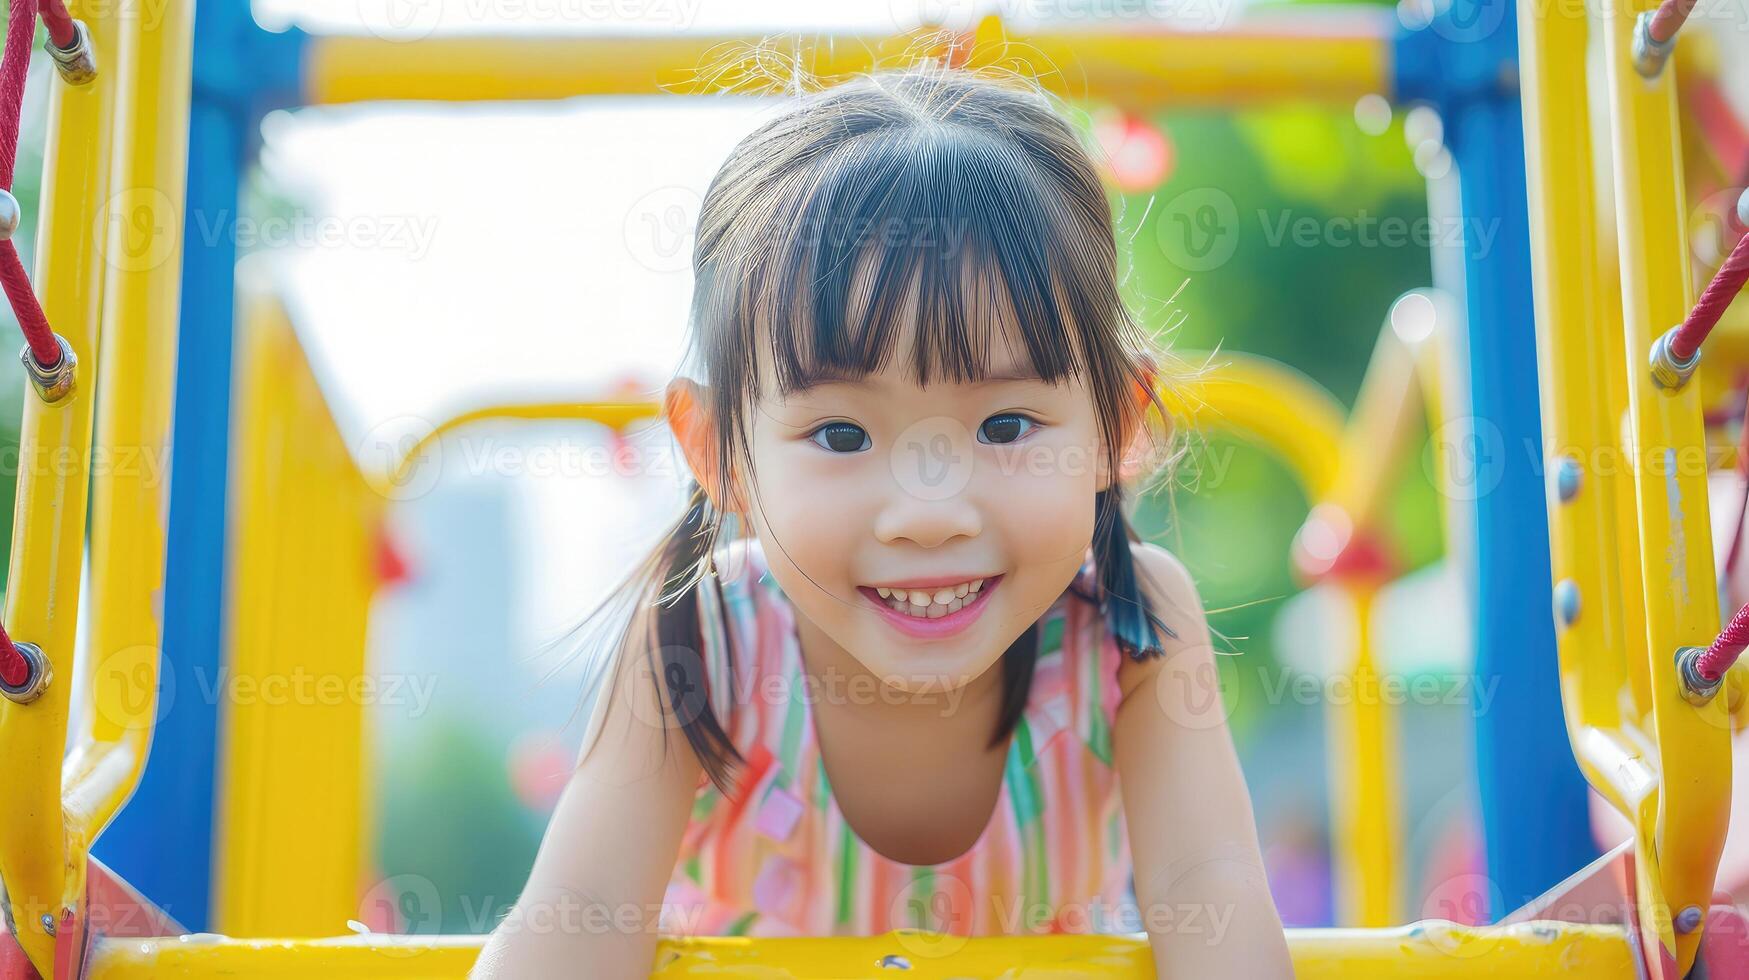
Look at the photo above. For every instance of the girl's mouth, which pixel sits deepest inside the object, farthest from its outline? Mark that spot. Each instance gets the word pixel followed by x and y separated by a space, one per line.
pixel 917 622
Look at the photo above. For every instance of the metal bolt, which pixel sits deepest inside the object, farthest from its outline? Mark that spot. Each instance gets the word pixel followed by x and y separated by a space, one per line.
pixel 52 384
pixel 893 961
pixel 1669 371
pixel 1688 919
pixel 1567 600
pixel 1743 209
pixel 1649 55
pixel 48 923
pixel 36 678
pixel 77 64
pixel 1567 475
pixel 1696 690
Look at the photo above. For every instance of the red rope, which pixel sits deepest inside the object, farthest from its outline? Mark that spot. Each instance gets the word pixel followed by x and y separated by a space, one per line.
pixel 1726 284
pixel 14 65
pixel 1723 652
pixel 59 23
pixel 1669 19
pixel 14 669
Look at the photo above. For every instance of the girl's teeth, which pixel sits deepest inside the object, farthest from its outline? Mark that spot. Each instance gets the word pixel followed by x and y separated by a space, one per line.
pixel 932 603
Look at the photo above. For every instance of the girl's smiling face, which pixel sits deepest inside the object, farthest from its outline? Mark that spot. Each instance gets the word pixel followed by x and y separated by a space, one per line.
pixel 882 481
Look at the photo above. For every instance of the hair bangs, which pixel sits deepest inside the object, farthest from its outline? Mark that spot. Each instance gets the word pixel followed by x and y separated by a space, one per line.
pixel 889 237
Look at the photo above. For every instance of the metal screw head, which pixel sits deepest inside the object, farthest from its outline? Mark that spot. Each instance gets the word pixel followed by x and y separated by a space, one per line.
pixel 1567 601
pixel 1688 919
pixel 48 922
pixel 1743 209
pixel 893 961
pixel 1567 476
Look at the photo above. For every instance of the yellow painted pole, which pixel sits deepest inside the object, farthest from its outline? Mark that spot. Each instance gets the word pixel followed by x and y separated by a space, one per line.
pixel 1590 499
pixel 1432 950
pixel 298 689
pixel 1668 449
pixel 142 218
pixel 1271 404
pixel 1326 56
pixel 48 535
pixel 1365 806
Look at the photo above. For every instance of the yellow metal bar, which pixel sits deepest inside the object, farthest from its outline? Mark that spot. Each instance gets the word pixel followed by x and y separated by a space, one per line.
pixel 614 415
pixel 1386 411
pixel 1334 55
pixel 1431 950
pixel 1578 317
pixel 1681 601
pixel 1271 404
pixel 48 535
pixel 296 691
pixel 1362 750
pixel 143 215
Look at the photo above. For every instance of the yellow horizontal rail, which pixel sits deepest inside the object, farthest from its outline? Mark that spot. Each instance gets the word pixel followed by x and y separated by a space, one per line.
pixel 1430 950
pixel 1274 405
pixel 1335 55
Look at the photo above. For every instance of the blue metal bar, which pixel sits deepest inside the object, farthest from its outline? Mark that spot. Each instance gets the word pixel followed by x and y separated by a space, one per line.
pixel 1535 813
pixel 161 841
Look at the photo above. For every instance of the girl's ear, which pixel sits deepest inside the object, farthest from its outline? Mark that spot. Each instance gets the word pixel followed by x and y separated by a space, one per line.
pixel 686 406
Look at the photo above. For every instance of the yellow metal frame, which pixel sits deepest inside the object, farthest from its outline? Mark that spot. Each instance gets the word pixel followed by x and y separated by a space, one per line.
pixel 1430 951
pixel 119 141
pixel 1303 55
pixel 1628 524
pixel 1659 759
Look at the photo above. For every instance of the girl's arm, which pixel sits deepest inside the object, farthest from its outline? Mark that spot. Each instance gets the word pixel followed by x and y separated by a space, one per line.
pixel 1200 882
pixel 593 899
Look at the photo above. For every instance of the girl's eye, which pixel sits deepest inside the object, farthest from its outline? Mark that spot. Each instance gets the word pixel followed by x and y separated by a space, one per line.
pixel 841 437
pixel 1002 429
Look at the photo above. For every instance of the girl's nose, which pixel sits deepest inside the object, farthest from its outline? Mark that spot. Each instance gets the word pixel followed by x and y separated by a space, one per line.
pixel 928 523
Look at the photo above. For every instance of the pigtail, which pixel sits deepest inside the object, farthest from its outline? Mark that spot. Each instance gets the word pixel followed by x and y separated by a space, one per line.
pixel 665 587
pixel 686 685
pixel 1121 603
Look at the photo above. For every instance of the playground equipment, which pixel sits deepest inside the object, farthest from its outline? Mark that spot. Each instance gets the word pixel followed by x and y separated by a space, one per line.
pixel 1632 574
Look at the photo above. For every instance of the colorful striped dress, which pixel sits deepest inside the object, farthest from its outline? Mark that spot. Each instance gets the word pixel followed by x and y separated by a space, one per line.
pixel 779 859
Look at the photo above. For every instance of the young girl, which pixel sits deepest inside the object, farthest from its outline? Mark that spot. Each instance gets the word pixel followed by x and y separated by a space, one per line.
pixel 921 671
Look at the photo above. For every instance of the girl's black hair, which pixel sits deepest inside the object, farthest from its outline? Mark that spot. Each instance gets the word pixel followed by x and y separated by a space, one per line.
pixel 962 200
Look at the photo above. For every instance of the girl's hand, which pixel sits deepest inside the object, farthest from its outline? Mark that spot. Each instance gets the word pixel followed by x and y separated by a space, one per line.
pixel 593 899
pixel 1200 880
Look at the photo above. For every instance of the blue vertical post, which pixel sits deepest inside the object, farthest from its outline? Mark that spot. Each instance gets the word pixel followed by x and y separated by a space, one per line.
pixel 161 841
pixel 1535 815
